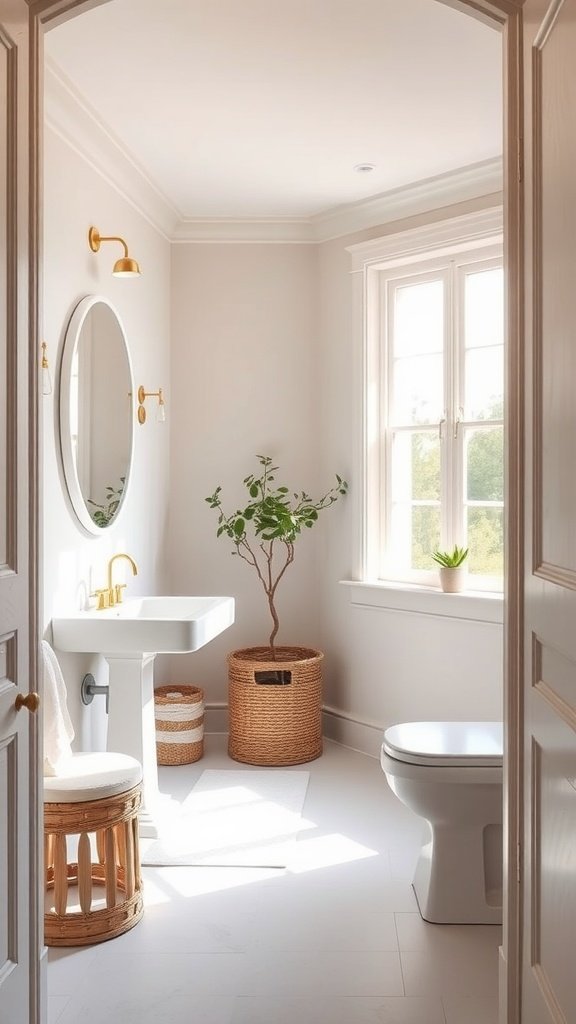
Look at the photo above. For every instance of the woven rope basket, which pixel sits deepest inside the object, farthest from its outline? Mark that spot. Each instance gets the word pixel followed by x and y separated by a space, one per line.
pixel 275 705
pixel 179 713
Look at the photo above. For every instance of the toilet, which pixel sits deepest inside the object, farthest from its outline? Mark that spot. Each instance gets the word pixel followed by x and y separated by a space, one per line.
pixel 450 773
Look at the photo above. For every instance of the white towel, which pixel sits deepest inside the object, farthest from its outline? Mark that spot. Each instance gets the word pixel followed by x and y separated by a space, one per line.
pixel 58 728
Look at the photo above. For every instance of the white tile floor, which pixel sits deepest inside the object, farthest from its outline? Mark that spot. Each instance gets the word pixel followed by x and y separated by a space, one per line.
pixel 337 940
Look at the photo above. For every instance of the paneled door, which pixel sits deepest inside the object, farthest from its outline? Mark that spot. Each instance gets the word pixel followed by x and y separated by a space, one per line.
pixel 19 939
pixel 549 854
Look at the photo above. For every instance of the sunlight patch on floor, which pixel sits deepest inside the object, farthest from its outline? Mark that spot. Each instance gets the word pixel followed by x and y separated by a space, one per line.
pixel 327 851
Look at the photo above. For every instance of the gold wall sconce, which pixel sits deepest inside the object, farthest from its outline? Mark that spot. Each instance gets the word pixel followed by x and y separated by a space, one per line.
pixel 142 396
pixel 125 266
pixel 46 378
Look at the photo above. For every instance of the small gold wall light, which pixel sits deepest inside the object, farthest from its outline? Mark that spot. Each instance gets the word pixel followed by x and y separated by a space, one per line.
pixel 46 378
pixel 142 396
pixel 125 266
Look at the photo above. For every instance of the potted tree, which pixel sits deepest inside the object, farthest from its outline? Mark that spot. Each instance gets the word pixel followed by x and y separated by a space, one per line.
pixel 452 569
pixel 274 691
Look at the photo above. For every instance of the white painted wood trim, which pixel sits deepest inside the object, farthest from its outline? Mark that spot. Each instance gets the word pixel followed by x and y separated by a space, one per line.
pixel 474 607
pixel 448 189
pixel 270 230
pixel 343 728
pixel 71 118
pixel 216 717
pixel 466 183
pixel 450 236
pixel 453 234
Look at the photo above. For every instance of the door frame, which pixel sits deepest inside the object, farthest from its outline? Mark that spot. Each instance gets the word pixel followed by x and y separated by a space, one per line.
pixel 507 15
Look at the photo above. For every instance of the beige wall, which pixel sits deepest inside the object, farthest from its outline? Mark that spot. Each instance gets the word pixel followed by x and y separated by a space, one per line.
pixel 74 563
pixel 245 381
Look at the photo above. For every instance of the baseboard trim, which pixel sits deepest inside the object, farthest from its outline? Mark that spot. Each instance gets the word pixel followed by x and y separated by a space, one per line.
pixel 349 731
pixel 216 716
pixel 337 725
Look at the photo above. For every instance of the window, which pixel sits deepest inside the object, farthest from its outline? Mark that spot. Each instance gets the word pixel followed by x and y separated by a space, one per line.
pixel 434 394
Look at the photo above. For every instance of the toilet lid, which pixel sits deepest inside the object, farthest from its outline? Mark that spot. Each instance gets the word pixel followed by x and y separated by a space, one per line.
pixel 473 744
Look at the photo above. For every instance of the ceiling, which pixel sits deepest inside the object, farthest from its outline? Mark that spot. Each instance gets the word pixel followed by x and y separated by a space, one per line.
pixel 263 108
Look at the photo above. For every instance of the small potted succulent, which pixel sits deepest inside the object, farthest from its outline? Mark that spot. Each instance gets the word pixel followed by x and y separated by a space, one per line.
pixel 453 572
pixel 274 691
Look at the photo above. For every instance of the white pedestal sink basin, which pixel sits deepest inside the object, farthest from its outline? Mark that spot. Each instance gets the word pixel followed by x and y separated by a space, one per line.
pixel 161 625
pixel 129 637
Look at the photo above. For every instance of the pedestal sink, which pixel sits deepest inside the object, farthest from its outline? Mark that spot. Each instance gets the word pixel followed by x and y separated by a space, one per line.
pixel 129 637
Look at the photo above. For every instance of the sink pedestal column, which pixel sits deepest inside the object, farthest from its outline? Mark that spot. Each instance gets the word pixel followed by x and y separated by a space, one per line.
pixel 131 728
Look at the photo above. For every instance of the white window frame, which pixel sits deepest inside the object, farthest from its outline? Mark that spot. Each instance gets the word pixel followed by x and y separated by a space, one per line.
pixel 371 263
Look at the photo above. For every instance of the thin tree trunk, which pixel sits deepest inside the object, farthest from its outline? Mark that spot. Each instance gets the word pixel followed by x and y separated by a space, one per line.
pixel 276 622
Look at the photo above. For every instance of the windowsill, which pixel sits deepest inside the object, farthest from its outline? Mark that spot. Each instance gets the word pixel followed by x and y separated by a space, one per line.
pixel 406 597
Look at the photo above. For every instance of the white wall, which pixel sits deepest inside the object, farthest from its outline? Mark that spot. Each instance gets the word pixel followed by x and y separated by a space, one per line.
pixel 384 666
pixel 263 361
pixel 74 563
pixel 245 381
pixel 254 346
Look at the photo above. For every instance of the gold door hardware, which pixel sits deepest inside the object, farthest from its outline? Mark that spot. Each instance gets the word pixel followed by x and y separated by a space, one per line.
pixel 30 701
pixel 45 366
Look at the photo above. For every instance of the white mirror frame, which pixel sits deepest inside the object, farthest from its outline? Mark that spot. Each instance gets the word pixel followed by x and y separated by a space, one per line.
pixel 73 332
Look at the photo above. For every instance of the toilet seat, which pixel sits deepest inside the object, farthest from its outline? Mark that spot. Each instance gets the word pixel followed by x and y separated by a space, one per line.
pixel 446 744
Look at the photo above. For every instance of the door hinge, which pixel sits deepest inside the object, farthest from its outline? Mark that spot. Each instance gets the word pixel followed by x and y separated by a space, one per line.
pixel 518 862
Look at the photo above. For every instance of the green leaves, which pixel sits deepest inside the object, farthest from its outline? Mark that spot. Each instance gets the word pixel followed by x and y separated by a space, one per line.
pixel 273 513
pixel 103 514
pixel 450 559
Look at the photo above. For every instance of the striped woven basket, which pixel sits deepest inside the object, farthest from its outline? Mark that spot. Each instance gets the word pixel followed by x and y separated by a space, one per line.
pixel 179 713
pixel 275 705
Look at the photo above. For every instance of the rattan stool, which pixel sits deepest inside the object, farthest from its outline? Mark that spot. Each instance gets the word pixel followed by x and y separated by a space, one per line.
pixel 92 807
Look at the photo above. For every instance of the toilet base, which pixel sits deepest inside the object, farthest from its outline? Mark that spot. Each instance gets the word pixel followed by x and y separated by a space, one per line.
pixel 458 875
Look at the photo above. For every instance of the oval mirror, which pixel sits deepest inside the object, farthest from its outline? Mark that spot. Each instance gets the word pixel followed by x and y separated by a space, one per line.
pixel 96 413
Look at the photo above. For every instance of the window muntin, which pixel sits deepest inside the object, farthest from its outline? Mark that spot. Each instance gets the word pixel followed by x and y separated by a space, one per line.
pixel 441 354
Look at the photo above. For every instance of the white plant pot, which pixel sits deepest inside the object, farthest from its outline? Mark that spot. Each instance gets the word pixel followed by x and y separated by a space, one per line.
pixel 453 580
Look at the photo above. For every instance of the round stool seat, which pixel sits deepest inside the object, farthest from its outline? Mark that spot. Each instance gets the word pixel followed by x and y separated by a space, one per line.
pixel 92 776
pixel 91 850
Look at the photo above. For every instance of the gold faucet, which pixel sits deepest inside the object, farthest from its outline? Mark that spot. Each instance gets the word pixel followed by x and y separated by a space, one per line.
pixel 115 589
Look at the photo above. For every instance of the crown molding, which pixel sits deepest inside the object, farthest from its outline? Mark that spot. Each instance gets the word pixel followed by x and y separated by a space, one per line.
pixel 283 230
pixel 69 115
pixel 467 183
pixel 472 182
pixel 482 227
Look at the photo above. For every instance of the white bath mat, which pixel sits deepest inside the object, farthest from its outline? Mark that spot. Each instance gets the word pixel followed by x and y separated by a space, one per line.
pixel 233 818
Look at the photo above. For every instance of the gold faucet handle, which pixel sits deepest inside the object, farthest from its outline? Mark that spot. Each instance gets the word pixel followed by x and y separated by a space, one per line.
pixel 102 599
pixel 118 588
